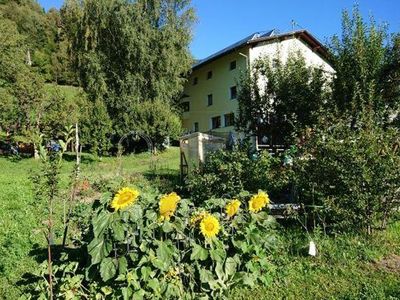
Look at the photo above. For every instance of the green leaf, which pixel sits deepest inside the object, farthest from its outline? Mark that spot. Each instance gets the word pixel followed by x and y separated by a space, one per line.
pixel 105 198
pixel 145 272
pixel 122 265
pixel 107 269
pixel 198 253
pixel 159 264
pixel 99 249
pixel 218 254
pixel 151 216
pixel 135 213
pixel 164 253
pixel 154 284
pixel 205 275
pixel 100 222
pixel 230 266
pixel 219 271
pixel 167 227
pixel 126 293
pixel 248 279
pixel 118 230
pixel 138 295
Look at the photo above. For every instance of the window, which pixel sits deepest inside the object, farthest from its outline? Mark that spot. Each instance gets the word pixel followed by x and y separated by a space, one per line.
pixel 210 100
pixel 196 126
pixel 229 119
pixel 232 65
pixel 185 106
pixel 195 80
pixel 233 91
pixel 209 74
pixel 215 122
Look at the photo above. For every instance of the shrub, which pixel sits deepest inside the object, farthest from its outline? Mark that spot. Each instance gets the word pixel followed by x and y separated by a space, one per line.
pixel 228 173
pixel 353 174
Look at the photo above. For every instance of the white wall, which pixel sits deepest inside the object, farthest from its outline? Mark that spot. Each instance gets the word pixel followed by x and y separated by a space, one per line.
pixel 284 48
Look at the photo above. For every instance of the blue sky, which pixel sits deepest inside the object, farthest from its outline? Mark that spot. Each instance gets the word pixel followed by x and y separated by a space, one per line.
pixel 223 22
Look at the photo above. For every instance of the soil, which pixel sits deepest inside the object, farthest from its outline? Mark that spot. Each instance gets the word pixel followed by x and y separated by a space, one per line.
pixel 390 263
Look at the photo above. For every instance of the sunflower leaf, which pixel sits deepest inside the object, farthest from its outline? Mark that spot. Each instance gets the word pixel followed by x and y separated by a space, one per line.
pixel 108 269
pixel 198 253
pixel 100 223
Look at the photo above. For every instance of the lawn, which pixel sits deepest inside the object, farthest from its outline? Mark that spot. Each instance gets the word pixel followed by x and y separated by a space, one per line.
pixel 348 266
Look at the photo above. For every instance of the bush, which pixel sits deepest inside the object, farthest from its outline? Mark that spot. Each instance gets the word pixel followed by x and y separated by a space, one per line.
pixel 353 173
pixel 228 173
pixel 142 246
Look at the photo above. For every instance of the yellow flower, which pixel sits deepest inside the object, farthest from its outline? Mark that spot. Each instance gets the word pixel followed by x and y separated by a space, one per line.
pixel 209 226
pixel 232 208
pixel 197 218
pixel 168 205
pixel 258 202
pixel 124 197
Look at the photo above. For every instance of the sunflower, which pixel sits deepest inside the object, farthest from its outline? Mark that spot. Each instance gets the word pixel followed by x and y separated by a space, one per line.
pixel 168 205
pixel 198 217
pixel 232 208
pixel 209 226
pixel 258 202
pixel 124 197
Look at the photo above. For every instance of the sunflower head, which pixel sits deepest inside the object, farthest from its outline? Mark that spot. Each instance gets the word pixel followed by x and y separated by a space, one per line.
pixel 232 208
pixel 195 219
pixel 124 197
pixel 209 226
pixel 258 202
pixel 168 204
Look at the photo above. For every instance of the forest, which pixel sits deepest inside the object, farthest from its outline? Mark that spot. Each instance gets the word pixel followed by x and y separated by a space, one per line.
pixel 110 67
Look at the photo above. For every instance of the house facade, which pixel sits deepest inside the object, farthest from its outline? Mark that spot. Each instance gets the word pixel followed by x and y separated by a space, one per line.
pixel 210 101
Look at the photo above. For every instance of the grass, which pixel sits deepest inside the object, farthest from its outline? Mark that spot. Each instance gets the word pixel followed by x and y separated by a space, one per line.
pixel 21 216
pixel 348 266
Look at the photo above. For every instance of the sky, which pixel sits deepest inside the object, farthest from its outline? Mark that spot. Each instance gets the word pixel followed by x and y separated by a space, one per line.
pixel 223 22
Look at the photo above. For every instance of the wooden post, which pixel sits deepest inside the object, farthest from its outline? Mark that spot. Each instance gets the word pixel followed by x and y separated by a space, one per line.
pixel 78 156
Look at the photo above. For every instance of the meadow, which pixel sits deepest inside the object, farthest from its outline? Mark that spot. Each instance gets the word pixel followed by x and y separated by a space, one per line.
pixel 348 266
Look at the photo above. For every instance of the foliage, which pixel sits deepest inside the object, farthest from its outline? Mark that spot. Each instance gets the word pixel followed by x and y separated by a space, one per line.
pixel 134 253
pixel 158 120
pixel 45 43
pixel 22 246
pixel 63 107
pixel 364 63
pixel 354 174
pixel 31 108
pixel 228 173
pixel 129 53
pixel 97 129
pixel 280 99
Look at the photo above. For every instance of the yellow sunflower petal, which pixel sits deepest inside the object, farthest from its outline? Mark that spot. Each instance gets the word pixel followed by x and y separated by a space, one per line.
pixel 124 197
pixel 232 208
pixel 258 202
pixel 209 226
pixel 168 204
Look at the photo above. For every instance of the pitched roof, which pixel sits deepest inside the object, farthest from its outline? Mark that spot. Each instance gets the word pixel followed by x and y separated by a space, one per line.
pixel 258 37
